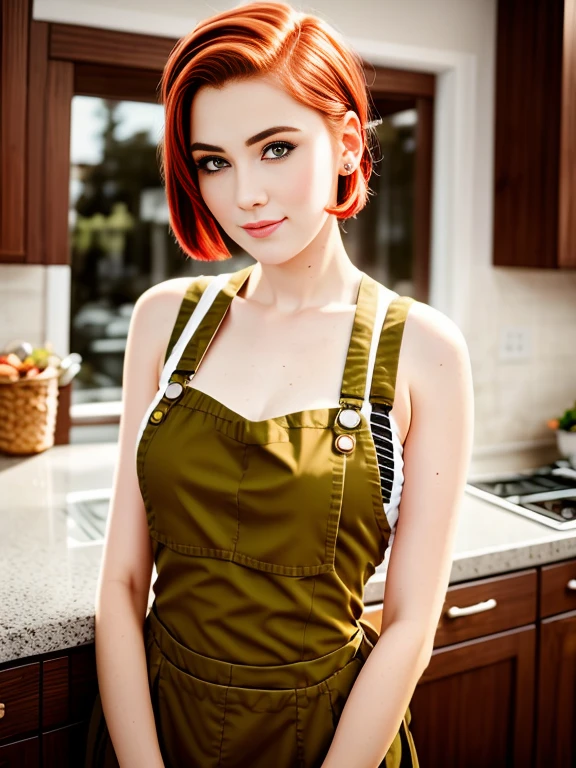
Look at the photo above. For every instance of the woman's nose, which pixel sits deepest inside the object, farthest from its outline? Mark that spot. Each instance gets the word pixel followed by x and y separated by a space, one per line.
pixel 250 189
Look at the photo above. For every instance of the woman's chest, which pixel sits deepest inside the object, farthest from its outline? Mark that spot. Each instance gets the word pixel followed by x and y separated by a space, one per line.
pixel 263 367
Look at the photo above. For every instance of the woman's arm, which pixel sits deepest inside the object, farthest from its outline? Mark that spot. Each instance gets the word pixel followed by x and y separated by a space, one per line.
pixel 436 461
pixel 125 576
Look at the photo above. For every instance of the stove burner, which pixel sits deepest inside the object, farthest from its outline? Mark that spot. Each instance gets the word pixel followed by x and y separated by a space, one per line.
pixel 557 509
pixel 521 485
pixel 546 494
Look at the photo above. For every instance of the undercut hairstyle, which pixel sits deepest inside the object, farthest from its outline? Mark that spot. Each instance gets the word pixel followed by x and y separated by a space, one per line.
pixel 306 56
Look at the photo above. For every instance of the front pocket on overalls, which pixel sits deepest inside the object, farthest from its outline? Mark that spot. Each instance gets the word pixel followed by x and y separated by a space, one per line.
pixel 210 725
pixel 190 475
pixel 289 504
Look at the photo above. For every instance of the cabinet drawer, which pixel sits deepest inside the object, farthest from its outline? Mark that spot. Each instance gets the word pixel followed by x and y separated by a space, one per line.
pixel 479 608
pixel 558 588
pixel 483 607
pixel 20 697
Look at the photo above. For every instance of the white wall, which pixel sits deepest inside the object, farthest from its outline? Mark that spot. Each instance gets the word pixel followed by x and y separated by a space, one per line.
pixel 455 38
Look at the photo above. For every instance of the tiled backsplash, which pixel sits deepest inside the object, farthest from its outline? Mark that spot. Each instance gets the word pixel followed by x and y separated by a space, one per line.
pixel 35 305
pixel 22 303
pixel 513 399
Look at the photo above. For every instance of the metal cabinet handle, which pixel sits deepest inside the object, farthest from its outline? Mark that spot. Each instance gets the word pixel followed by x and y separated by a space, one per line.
pixel 2 710
pixel 455 612
pixel 572 584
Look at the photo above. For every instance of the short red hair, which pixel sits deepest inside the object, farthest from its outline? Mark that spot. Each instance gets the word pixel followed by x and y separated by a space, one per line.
pixel 310 61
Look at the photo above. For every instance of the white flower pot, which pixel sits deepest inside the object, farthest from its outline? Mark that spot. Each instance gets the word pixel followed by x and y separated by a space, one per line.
pixel 566 442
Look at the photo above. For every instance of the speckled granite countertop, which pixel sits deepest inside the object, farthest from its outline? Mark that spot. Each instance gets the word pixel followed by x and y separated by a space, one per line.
pixel 48 575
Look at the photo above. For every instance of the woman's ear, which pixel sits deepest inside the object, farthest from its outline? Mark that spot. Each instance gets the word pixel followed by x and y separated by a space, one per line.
pixel 351 143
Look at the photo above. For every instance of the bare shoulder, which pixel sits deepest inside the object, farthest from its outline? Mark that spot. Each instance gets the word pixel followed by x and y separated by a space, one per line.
pixel 165 295
pixel 155 314
pixel 435 347
pixel 431 336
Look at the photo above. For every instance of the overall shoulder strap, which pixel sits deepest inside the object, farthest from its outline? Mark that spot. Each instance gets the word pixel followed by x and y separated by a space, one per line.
pixel 196 302
pixel 191 298
pixel 388 351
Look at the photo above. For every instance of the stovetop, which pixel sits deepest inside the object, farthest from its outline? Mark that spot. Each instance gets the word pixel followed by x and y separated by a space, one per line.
pixel 546 494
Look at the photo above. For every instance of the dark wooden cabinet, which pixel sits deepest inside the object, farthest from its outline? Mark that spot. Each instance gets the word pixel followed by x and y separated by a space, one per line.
pixel 500 689
pixel 474 704
pixel 556 703
pixel 65 746
pixel 556 706
pixel 14 32
pixel 487 606
pixel 45 706
pixel 535 135
pixel 21 754
pixel 557 588
pixel 19 700
pixel 474 701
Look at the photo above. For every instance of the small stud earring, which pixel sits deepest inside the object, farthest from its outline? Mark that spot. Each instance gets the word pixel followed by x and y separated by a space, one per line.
pixel 347 167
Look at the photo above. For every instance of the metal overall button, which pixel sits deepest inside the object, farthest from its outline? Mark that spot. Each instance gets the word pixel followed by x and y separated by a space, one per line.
pixel 349 418
pixel 157 417
pixel 174 390
pixel 345 443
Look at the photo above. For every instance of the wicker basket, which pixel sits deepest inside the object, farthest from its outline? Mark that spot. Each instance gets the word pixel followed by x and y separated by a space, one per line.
pixel 28 409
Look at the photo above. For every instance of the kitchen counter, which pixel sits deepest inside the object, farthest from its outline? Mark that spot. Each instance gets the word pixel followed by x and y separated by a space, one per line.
pixel 48 575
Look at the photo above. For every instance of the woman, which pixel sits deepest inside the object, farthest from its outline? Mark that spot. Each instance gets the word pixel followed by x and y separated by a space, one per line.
pixel 306 417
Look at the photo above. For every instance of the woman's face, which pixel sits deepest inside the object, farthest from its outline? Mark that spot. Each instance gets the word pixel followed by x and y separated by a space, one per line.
pixel 262 156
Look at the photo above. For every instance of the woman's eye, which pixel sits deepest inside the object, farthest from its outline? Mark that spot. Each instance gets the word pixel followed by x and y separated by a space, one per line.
pixel 279 149
pixel 281 146
pixel 203 164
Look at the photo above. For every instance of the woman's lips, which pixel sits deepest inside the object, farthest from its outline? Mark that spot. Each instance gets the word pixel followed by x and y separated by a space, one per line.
pixel 263 231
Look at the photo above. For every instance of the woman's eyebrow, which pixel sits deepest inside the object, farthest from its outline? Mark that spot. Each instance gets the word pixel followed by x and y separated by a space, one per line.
pixel 252 140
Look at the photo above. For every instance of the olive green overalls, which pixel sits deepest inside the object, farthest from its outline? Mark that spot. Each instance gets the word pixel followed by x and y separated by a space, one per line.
pixel 264 535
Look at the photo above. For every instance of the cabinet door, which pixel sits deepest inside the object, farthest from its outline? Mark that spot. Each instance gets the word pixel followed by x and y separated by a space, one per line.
pixel 65 747
pixel 474 704
pixel 21 754
pixel 556 733
pixel 14 26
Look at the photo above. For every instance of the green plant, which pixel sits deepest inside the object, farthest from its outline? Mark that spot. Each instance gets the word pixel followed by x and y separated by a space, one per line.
pixel 566 422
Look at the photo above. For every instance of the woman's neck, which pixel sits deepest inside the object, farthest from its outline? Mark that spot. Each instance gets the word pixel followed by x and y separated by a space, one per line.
pixel 320 275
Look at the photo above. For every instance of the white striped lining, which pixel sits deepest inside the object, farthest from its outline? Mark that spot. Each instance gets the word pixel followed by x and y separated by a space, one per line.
pixel 385 432
pixel 389 451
